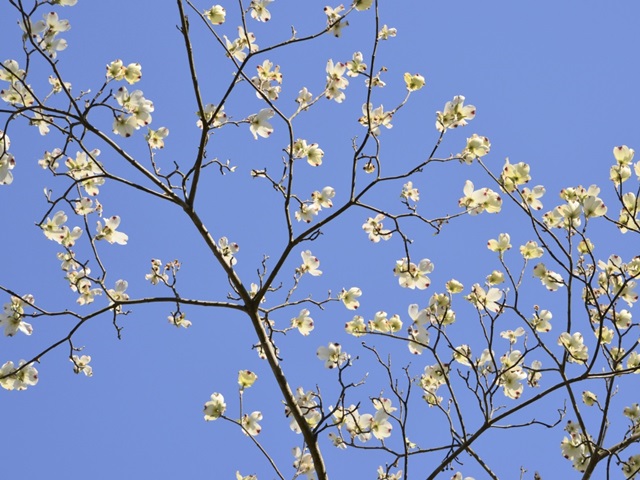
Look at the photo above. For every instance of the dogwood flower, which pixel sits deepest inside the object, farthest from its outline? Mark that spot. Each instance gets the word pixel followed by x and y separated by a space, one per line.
pixel 179 319
pixel 118 294
pixel 216 14
pixel 109 233
pixel 386 33
pixel 531 197
pixel 303 463
pixel 631 467
pixel 332 355
pixel 155 138
pixel 413 276
pixel 314 155
pixel 501 245
pixel 307 212
pixel 304 97
pixel 348 297
pixel 125 126
pixel 549 279
pixel 12 317
pixel 246 378
pixel 409 192
pixel 132 73
pixel 373 119
pixel 355 66
pixel 215 407
pixel 309 265
pixel 462 355
pixel 373 226
pixel 361 5
pixel 454 286
pixel 419 337
pixel 356 326
pixel 308 406
pixel 476 147
pixel 303 322
pixel 485 300
pixel 87 294
pixel 323 198
pixel 514 175
pixel 157 274
pixel 11 72
pixel 575 347
pixel 81 365
pixel 414 82
pixel 512 335
pixel 209 110
pixel 250 423
pixel 13 380
pixel 259 125
pixel 336 82
pixel 259 10
pixel 54 229
pixel 458 476
pixel 228 250
pixel 455 114
pixel 531 250
pixel 381 323
pixel 540 321
pixel 481 200
pixel 248 477
pixel 17 94
pixel 333 19
pixel 236 48
pixel 495 278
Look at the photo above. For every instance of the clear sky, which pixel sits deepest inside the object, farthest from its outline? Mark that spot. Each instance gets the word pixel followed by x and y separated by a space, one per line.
pixel 555 85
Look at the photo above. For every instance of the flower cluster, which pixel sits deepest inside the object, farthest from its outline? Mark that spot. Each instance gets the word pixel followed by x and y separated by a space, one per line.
pixel 373 119
pixel 574 346
pixel 18 380
pixel 312 152
pixel 579 201
pixel 319 200
pixel 263 82
pixel 336 82
pixel 84 169
pixel 335 24
pixel 576 447
pixel 56 230
pixel 364 426
pixel 511 373
pixel 138 108
pixel 117 71
pixel 18 93
pixel 432 379
pixel 309 406
pixel 236 49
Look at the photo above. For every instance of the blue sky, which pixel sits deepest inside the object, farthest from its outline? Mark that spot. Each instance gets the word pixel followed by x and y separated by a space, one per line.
pixel 554 84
